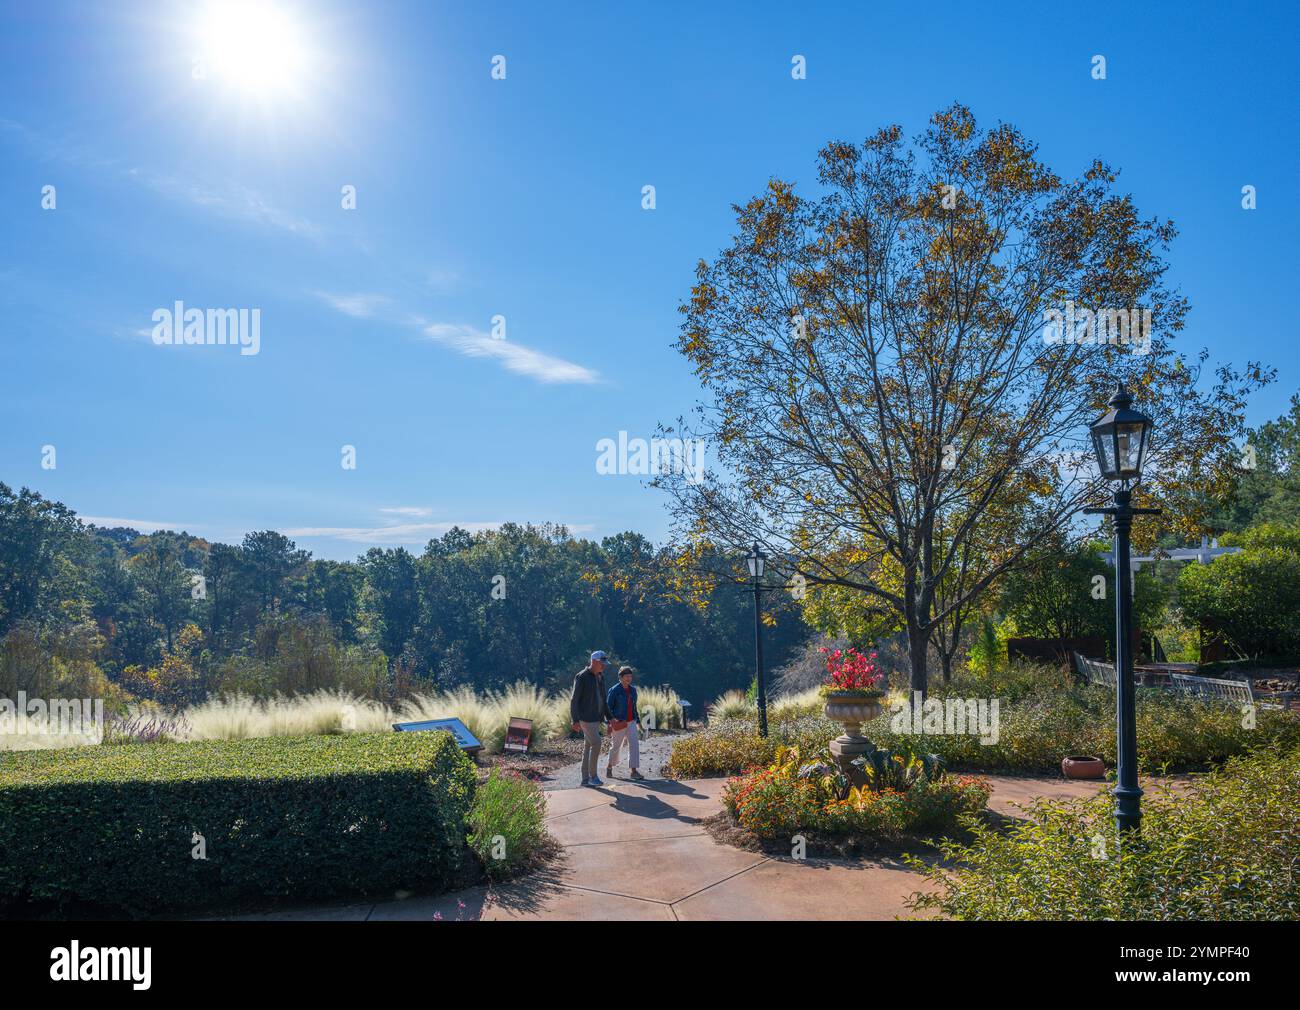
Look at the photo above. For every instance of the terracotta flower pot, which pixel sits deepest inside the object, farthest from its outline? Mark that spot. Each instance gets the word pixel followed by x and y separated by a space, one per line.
pixel 851 709
pixel 1082 768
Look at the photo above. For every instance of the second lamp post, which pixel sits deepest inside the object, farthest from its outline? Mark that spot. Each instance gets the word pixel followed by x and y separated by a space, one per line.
pixel 1120 438
pixel 756 559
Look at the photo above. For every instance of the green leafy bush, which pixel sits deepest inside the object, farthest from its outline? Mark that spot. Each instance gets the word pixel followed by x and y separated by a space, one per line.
pixel 1009 682
pixel 1225 850
pixel 1251 599
pixel 507 823
pixel 114 826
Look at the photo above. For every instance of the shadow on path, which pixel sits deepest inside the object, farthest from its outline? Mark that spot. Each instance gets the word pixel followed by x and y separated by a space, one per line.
pixel 651 803
pixel 528 894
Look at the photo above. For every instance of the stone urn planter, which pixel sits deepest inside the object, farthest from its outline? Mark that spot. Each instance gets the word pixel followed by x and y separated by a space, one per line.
pixel 851 709
pixel 1080 767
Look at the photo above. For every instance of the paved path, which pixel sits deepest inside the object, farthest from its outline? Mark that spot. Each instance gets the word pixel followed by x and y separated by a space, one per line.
pixel 655 751
pixel 638 851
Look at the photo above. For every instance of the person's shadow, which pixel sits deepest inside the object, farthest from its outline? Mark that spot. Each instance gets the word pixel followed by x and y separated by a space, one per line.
pixel 650 800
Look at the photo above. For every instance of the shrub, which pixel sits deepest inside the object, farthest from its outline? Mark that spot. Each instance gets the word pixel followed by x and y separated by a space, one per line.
pixel 240 716
pixel 797 706
pixel 49 665
pixel 1042 718
pixel 1009 682
pixel 288 817
pixel 1173 730
pixel 522 700
pixel 1225 850
pixel 732 704
pixel 665 703
pixel 176 680
pixel 507 823
pixel 142 726
pixel 733 746
pixel 293 655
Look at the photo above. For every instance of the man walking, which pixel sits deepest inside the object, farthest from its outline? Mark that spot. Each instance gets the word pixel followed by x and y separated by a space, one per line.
pixel 620 703
pixel 587 710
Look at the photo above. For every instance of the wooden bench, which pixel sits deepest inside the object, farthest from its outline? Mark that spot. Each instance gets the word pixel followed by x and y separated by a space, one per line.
pixel 1238 692
pixel 1095 671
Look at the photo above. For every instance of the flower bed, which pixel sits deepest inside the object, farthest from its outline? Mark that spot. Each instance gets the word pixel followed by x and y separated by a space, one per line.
pixel 904 795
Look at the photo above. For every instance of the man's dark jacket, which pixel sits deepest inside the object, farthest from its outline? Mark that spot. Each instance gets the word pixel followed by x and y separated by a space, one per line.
pixel 587 703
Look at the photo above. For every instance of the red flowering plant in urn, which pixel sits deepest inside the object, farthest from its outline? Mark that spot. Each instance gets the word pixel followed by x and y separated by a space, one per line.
pixel 852 673
pixel 853 689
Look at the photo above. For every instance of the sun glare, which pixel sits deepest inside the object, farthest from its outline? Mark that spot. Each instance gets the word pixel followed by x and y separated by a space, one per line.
pixel 254 48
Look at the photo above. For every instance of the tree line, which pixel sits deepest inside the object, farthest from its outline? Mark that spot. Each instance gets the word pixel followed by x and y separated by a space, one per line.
pixel 175 618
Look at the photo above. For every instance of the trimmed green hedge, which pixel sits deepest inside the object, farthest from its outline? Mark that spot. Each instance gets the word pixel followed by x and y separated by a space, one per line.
pixel 112 827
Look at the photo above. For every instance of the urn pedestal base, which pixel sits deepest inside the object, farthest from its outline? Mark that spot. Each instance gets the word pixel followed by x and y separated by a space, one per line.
pixel 851 711
pixel 845 749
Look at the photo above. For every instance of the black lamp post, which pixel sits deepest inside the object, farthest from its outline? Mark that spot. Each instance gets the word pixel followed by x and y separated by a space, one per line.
pixel 1120 438
pixel 756 559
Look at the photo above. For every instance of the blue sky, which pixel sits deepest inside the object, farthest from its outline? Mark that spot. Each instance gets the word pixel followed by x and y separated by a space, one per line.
pixel 522 198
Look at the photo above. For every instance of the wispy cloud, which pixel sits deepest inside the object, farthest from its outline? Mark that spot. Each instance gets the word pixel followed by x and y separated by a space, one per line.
pixel 358 306
pixel 133 333
pixel 390 533
pixel 228 200
pixel 143 525
pixel 441 280
pixel 466 340
pixel 395 533
pixel 511 356
pixel 235 202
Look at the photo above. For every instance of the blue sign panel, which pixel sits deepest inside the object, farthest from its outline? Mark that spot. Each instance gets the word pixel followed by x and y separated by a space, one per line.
pixel 467 740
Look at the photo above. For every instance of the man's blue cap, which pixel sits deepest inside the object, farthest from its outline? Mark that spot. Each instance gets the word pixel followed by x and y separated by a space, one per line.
pixel 598 655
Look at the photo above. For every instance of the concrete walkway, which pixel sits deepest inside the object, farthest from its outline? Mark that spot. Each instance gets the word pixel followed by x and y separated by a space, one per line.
pixel 639 851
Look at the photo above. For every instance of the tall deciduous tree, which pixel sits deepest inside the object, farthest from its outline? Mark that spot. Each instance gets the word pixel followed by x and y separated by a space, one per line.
pixel 162 577
pixel 883 387
pixel 393 581
pixel 267 559
pixel 1270 474
pixel 35 535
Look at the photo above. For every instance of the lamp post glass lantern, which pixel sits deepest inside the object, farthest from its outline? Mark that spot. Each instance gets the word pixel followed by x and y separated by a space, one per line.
pixel 756 559
pixel 1120 438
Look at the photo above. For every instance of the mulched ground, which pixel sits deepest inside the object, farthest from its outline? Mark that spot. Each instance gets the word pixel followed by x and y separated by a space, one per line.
pixel 537 763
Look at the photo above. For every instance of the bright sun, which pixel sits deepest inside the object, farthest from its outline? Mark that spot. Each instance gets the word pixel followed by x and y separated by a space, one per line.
pixel 253 47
